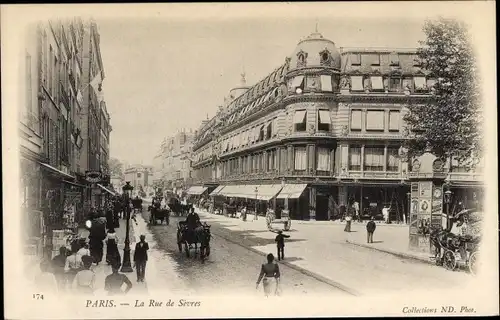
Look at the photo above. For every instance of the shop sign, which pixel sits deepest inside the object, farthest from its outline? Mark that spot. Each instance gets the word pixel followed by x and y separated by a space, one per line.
pixel 93 176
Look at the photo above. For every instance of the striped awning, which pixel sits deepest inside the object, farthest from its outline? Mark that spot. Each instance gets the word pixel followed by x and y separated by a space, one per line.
pixel 291 191
pixel 196 190
pixel 267 192
pixel 217 190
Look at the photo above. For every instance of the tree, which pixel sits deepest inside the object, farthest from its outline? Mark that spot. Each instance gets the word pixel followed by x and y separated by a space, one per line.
pixel 115 167
pixel 450 123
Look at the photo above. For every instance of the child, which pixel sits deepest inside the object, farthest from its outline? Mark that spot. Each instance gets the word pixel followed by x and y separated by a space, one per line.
pixel 370 228
pixel 280 242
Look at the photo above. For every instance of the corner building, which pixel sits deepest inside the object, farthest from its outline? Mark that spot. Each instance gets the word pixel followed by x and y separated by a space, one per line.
pixel 322 130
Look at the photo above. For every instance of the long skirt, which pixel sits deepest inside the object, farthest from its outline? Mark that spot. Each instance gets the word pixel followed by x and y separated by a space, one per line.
pixel 112 253
pixel 269 284
pixel 96 249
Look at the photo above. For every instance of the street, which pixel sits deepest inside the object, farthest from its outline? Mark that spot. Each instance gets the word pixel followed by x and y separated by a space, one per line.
pixel 231 267
pixel 331 265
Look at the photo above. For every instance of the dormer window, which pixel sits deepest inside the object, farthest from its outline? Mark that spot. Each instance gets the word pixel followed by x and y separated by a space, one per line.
pixel 325 57
pixel 301 59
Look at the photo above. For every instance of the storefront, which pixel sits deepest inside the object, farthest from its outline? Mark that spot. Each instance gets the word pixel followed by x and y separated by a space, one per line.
pixel 372 198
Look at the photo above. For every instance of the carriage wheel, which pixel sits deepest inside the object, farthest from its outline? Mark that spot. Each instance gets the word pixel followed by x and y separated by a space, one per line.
pixel 207 250
pixel 288 224
pixel 449 261
pixel 473 263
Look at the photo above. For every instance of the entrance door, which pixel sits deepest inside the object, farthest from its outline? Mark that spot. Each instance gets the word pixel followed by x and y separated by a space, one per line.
pixel 321 208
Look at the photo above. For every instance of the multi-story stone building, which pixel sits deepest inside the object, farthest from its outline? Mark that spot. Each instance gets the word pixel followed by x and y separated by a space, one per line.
pixel 54 126
pixel 139 176
pixel 172 161
pixel 322 130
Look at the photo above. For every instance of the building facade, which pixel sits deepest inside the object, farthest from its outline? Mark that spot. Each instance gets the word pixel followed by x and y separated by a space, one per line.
pixel 321 131
pixel 54 127
pixel 140 177
pixel 171 165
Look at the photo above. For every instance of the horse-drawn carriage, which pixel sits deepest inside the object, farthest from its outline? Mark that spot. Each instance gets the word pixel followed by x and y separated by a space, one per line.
pixel 178 208
pixel 199 235
pixel 285 219
pixel 459 249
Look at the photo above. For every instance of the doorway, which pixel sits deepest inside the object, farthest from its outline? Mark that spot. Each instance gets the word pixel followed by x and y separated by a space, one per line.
pixel 321 207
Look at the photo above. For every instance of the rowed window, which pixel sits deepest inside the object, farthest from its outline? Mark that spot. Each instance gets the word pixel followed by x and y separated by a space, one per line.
pixel 299 120
pixel 355 158
pixel 300 158
pixel 393 159
pixel 357 83
pixel 374 159
pixel 324 120
pixel 323 159
pixel 356 120
pixel 394 117
pixel 375 120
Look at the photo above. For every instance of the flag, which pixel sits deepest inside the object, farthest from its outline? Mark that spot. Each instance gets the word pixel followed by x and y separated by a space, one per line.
pixel 96 83
pixel 79 97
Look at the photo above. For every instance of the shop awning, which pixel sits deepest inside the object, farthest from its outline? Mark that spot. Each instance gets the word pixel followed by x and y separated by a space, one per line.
pixel 196 190
pixel 291 191
pixel 239 191
pixel 106 189
pixel 267 192
pixel 74 184
pixel 57 171
pixel 217 190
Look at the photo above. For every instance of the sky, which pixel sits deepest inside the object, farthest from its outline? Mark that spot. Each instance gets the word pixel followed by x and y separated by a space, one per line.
pixel 164 75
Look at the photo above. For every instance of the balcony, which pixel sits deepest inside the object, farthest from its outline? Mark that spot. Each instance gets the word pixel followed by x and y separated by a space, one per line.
pixel 63 96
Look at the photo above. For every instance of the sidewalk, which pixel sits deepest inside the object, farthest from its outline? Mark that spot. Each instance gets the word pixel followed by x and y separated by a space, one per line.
pixel 331 255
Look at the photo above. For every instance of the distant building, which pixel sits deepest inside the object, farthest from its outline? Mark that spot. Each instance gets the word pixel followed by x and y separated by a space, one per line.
pixel 139 176
pixel 171 165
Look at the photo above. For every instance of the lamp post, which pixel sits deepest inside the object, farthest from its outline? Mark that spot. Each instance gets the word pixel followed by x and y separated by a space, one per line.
pixel 126 265
pixel 256 194
pixel 409 207
pixel 447 200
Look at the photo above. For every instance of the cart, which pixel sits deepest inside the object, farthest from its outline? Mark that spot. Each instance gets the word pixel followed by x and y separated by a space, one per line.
pixel 285 219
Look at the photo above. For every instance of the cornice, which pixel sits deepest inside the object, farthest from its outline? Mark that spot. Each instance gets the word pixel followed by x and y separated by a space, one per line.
pixel 381 97
pixel 312 71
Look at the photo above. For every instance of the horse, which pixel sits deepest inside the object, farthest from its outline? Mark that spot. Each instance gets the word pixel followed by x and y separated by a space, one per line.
pixel 201 234
pixel 158 214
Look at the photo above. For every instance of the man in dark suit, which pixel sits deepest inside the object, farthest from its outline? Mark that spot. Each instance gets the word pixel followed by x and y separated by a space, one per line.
pixel 141 257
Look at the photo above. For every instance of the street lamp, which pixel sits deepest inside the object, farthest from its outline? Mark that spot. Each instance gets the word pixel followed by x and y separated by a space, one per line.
pixel 408 194
pixel 127 193
pixel 447 200
pixel 256 194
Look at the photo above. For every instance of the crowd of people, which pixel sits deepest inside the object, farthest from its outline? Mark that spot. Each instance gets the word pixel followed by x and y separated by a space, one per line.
pixel 74 268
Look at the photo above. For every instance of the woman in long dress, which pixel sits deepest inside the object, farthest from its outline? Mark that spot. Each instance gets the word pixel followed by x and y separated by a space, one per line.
pixel 268 271
pixel 112 253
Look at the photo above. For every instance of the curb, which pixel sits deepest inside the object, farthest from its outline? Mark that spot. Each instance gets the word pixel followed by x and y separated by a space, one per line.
pixel 394 253
pixel 300 269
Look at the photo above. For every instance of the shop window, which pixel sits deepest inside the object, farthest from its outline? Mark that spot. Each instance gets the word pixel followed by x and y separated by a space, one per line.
pixel 300 159
pixel 355 158
pixel 375 120
pixel 374 159
pixel 356 120
pixel 357 83
pixel 394 117
pixel 323 159
pixel 324 120
pixel 395 84
pixel 299 120
pixel 393 159
pixel 377 83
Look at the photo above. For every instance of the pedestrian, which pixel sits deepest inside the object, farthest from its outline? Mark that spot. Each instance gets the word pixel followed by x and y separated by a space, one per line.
pixel 58 263
pixel 348 220
pixel 114 282
pixel 85 279
pixel 141 258
pixel 244 213
pixel 96 248
pixel 112 253
pixel 73 263
pixel 46 281
pixel 280 242
pixel 385 213
pixel 370 229
pixel 267 271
